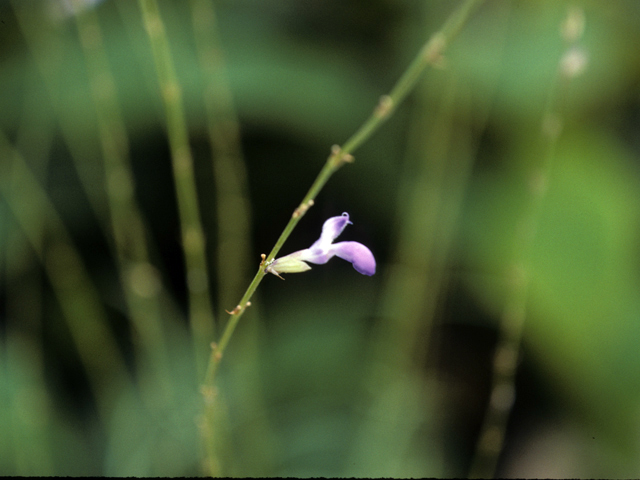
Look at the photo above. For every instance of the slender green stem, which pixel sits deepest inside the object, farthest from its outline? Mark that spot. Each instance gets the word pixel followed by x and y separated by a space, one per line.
pixel 72 285
pixel 139 279
pixel 514 314
pixel 430 54
pixel 193 240
pixel 233 217
pixel 49 48
pixel 233 209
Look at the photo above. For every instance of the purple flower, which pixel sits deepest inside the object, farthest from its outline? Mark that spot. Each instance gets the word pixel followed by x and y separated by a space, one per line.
pixel 323 250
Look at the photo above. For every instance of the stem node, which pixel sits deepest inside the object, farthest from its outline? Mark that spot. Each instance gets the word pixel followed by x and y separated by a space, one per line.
pixel 433 50
pixel 302 209
pixel 384 107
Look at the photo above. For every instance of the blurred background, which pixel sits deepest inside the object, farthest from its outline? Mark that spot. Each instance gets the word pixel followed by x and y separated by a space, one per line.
pixel 522 125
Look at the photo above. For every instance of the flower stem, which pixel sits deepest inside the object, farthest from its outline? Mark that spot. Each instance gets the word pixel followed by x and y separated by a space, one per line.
pixel 129 233
pixel 193 242
pixel 79 299
pixel 429 54
pixel 514 315
pixel 233 209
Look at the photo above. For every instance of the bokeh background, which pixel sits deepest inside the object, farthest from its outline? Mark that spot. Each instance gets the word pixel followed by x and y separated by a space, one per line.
pixel 330 373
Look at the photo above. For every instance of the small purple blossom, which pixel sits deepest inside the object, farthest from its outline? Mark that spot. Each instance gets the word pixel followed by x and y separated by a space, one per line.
pixel 324 249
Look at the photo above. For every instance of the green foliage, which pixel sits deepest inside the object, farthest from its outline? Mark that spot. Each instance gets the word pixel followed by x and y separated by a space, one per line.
pixel 329 373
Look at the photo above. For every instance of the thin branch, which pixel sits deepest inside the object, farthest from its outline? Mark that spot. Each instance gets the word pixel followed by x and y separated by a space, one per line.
pixel 193 241
pixel 430 54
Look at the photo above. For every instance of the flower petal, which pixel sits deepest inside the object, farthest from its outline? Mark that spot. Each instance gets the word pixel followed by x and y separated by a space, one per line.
pixel 316 255
pixel 356 253
pixel 331 229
